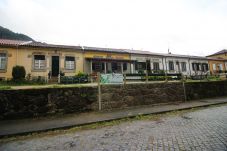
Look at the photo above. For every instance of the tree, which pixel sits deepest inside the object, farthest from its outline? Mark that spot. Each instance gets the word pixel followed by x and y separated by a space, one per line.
pixel 18 72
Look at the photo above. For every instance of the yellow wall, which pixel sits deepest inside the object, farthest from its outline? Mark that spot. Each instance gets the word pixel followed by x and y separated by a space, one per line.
pixel 11 61
pixel 105 55
pixel 25 58
pixel 217 62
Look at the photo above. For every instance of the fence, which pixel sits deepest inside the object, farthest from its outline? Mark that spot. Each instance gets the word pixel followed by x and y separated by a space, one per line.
pixel 118 78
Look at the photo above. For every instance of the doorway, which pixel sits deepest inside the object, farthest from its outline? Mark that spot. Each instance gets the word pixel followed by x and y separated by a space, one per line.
pixel 55 66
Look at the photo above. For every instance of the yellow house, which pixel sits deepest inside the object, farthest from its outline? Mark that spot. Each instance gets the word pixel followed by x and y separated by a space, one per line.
pixel 218 62
pixel 39 59
pixel 106 60
pixel 217 65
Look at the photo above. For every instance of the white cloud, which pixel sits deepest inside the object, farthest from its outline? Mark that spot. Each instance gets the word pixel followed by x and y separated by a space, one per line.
pixel 186 26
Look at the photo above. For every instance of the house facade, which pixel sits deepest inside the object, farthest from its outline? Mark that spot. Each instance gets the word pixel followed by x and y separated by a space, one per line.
pixel 217 65
pixel 39 59
pixel 218 62
pixel 186 65
pixel 48 60
pixel 106 60
pixel 145 61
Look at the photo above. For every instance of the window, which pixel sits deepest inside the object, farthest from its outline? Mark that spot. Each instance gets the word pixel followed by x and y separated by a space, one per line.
pixel 39 62
pixel 116 66
pixel 183 66
pixel 196 66
pixel 69 63
pixel 98 66
pixel 199 67
pixel 220 67
pixel 155 66
pixel 214 66
pixel 2 61
pixel 141 66
pixel 124 66
pixel 171 65
pixel 204 67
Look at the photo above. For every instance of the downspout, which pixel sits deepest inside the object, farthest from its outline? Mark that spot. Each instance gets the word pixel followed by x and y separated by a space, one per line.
pixel 189 66
pixel 166 64
pixel 163 64
pixel 83 51
pixel 17 55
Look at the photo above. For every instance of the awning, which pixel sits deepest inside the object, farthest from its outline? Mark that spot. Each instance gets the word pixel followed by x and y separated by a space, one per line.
pixel 109 60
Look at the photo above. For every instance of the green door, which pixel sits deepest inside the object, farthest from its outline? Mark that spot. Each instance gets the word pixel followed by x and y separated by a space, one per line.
pixel 55 65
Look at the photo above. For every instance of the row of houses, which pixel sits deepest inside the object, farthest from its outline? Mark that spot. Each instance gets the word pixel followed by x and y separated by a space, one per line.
pixel 42 59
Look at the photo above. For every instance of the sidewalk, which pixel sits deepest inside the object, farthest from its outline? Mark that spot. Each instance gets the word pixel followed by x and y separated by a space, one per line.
pixel 16 127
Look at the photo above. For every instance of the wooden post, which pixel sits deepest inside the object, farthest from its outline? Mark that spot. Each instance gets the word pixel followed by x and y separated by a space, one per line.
pixel 185 95
pixel 105 67
pixel 59 78
pixel 146 76
pixel 166 77
pixel 183 83
pixel 99 91
pixel 122 69
pixel 91 72
pixel 124 79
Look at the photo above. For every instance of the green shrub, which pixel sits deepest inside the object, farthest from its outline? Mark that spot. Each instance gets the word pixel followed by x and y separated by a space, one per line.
pixel 157 78
pixel 141 72
pixel 81 74
pixel 18 73
pixel 213 78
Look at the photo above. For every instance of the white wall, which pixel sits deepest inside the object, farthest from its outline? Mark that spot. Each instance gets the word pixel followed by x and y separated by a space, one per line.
pixel 176 69
pixel 197 61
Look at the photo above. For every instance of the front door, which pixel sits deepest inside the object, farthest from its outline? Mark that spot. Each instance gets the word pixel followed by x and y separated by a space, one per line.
pixel 55 65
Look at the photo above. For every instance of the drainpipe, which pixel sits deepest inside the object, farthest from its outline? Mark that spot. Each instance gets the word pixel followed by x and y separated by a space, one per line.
pixel 163 64
pixel 83 51
pixel 166 65
pixel 17 55
pixel 189 67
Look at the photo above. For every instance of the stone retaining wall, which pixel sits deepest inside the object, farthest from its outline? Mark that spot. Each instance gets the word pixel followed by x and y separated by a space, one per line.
pixel 119 96
pixel 200 90
pixel 41 102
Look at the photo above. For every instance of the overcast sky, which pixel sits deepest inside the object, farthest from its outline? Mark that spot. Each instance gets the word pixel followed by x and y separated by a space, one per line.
pixel 195 27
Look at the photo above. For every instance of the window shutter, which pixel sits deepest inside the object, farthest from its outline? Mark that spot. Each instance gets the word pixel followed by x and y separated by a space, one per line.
pixel 193 66
pixel 103 66
pixel 136 66
pixel 124 66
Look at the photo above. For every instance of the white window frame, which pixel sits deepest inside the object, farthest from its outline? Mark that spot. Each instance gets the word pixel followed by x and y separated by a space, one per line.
pixel 183 66
pixel 221 67
pixel 172 65
pixel 39 64
pixel 70 65
pixel 3 61
pixel 214 66
pixel 156 66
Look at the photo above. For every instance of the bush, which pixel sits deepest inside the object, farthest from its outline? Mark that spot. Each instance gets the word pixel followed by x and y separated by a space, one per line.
pixel 81 74
pixel 18 73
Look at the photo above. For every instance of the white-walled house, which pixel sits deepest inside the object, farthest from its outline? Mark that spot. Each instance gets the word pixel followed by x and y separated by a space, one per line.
pixel 187 65
pixel 145 61
pixel 170 63
pixel 174 64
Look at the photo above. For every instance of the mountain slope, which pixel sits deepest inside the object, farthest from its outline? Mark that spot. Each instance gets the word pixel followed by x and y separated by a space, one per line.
pixel 8 34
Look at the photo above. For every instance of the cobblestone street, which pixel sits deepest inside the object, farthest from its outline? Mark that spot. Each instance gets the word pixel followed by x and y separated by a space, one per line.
pixel 204 129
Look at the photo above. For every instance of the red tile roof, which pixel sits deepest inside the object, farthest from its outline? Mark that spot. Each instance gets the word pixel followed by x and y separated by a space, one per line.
pixel 224 51
pixel 46 45
pixel 7 42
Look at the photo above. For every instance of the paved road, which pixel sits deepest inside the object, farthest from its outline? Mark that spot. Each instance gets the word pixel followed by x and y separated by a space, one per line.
pixel 200 130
